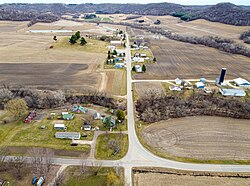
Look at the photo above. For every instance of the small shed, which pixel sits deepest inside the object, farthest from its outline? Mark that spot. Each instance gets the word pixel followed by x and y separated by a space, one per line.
pixel 232 92
pixel 68 135
pixel 178 81
pixel 203 80
pixel 200 85
pixel 60 126
pixel 97 115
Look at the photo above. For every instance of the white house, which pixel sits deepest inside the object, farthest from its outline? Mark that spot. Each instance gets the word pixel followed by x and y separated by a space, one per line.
pixel 241 82
pixel 138 68
pixel 116 43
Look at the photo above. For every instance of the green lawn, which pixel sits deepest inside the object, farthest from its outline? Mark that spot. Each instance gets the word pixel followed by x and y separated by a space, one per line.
pixel 30 135
pixel 103 150
pixel 95 46
pixel 74 178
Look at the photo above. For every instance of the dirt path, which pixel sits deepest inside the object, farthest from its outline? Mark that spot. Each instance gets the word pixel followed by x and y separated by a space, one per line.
pixel 103 84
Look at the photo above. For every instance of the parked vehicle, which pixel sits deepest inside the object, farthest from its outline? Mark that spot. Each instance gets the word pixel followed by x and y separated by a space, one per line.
pixel 40 181
pixel 34 180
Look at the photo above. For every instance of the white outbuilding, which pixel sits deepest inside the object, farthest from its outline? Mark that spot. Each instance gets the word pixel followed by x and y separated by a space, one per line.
pixel 241 82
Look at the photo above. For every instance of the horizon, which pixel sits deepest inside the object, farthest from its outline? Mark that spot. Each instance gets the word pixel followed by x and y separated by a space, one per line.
pixel 181 2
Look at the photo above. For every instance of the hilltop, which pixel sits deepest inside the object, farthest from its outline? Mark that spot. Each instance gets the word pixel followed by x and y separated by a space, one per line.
pixel 223 12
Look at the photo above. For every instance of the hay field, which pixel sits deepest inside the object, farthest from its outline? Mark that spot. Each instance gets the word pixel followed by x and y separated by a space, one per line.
pixel 158 179
pixel 200 138
pixel 146 88
pixel 184 60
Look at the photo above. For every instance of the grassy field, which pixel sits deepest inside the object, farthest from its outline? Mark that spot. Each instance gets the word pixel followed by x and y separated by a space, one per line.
pixel 21 134
pixel 210 140
pixel 146 88
pixel 116 82
pixel 74 178
pixel 103 150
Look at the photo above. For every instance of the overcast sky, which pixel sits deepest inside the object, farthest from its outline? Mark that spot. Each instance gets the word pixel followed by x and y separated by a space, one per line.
pixel 184 2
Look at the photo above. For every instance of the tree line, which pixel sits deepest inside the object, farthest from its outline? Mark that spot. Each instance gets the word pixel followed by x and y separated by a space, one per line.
pixel 153 108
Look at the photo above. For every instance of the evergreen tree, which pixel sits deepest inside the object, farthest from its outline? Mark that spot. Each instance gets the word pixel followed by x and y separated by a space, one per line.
pixel 133 68
pixel 78 35
pixel 120 115
pixel 143 68
pixel 73 39
pixel 83 41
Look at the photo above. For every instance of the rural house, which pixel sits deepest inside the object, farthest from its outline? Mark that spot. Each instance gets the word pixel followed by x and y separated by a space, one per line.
pixel 86 126
pixel 138 68
pixel 68 116
pixel 112 121
pixel 79 109
pixel 116 43
pixel 68 135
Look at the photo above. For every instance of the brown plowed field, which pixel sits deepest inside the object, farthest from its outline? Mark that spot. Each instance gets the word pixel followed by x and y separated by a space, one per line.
pixel 158 179
pixel 203 138
pixel 54 76
pixel 184 60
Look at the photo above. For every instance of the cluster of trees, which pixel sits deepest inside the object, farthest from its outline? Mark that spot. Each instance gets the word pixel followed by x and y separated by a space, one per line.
pixel 245 36
pixel 95 98
pixel 34 98
pixel 182 16
pixel 90 16
pixel 155 108
pixel 143 68
pixel 75 37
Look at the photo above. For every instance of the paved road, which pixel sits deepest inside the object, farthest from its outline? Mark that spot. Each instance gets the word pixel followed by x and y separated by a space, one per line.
pixel 137 155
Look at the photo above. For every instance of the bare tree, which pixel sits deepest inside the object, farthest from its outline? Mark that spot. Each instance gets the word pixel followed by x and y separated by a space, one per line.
pixel 59 179
pixel 3 154
pixel 83 168
pixel 17 164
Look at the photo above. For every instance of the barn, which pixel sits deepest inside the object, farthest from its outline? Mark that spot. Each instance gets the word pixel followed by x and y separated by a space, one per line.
pixel 232 92
pixel 241 82
pixel 68 135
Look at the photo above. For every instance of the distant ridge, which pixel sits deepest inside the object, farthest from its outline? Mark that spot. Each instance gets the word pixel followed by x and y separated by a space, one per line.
pixel 223 12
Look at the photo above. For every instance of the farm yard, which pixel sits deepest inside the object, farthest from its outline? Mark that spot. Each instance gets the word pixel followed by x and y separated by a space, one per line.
pixel 215 139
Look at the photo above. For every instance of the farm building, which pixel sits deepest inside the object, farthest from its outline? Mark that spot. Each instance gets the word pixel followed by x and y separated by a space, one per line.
pixel 200 85
pixel 68 116
pixel 59 126
pixel 79 109
pixel 138 68
pixel 232 92
pixel 97 115
pixel 177 81
pixel 203 80
pixel 116 43
pixel 68 135
pixel 241 82
pixel 111 48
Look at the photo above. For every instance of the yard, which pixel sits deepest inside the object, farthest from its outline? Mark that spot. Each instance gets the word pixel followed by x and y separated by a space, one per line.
pixel 19 134
pixel 73 176
pixel 107 146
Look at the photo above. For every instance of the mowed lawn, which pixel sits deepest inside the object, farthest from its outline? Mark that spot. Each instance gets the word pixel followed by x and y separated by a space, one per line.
pixel 103 150
pixel 73 176
pixel 30 134
pixel 93 45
